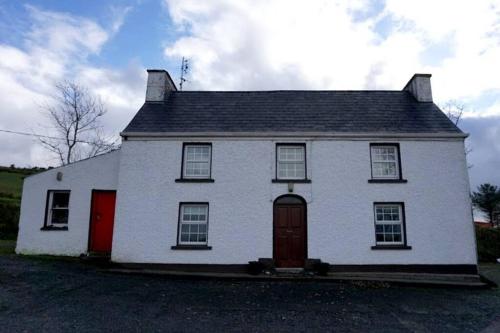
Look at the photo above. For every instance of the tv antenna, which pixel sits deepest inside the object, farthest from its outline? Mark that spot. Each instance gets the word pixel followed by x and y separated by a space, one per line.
pixel 184 71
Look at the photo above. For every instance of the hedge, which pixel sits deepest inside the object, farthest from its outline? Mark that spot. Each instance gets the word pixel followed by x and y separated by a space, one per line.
pixel 9 218
pixel 488 244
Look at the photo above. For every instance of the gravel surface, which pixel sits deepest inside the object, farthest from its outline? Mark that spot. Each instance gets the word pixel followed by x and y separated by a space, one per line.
pixel 57 295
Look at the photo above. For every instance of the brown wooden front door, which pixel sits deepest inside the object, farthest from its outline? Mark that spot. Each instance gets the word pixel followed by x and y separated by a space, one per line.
pixel 289 235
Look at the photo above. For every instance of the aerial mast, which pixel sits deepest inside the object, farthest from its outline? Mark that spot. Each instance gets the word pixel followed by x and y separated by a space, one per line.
pixel 184 71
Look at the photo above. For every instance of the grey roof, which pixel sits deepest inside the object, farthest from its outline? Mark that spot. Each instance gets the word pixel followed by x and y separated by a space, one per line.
pixel 186 112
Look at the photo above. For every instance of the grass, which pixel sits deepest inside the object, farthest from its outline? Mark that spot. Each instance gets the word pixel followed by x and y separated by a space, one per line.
pixel 11 184
pixel 491 271
pixel 7 246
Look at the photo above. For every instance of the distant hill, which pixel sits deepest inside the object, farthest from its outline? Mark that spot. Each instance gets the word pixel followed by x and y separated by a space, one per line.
pixel 11 180
pixel 11 185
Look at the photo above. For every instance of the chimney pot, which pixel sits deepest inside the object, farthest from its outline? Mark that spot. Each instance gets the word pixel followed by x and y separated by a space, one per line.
pixel 420 87
pixel 159 85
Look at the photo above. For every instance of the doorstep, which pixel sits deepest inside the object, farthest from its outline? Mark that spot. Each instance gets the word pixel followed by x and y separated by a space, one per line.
pixel 450 280
pixel 100 259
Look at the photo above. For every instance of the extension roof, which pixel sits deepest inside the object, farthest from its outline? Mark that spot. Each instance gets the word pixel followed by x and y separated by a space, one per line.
pixel 290 111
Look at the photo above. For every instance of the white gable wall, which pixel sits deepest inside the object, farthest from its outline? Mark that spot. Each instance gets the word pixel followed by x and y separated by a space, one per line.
pixel 100 172
pixel 339 203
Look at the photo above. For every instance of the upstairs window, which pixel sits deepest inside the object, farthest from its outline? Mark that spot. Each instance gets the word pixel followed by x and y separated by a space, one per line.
pixel 193 224
pixel 57 209
pixel 389 223
pixel 197 161
pixel 291 161
pixel 385 161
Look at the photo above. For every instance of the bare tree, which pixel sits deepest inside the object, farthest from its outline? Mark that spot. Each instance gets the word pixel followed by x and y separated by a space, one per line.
pixel 75 116
pixel 454 110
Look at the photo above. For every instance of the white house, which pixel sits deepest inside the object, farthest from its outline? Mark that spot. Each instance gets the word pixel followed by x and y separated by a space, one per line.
pixel 361 180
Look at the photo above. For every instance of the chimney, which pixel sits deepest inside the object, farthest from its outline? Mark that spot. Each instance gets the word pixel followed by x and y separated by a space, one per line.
pixel 159 84
pixel 420 87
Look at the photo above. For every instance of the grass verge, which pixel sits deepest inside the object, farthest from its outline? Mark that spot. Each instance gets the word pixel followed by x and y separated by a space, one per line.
pixel 7 246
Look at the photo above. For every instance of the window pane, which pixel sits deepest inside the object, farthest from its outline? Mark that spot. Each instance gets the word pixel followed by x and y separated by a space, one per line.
pixel 60 216
pixel 387 213
pixel 292 154
pixel 60 199
pixel 197 153
pixel 197 168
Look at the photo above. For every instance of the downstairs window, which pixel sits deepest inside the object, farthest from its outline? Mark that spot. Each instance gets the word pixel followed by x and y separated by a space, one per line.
pixel 389 224
pixel 193 224
pixel 57 209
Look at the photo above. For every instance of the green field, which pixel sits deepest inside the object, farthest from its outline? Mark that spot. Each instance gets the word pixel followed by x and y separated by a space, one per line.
pixel 11 185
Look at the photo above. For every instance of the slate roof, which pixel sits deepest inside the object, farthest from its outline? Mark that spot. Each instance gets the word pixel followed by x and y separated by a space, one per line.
pixel 290 111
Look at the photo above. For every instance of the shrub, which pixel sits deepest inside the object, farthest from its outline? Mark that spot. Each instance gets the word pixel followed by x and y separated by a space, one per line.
pixel 9 218
pixel 488 244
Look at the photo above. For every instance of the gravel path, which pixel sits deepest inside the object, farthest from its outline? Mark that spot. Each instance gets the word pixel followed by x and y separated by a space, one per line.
pixel 47 295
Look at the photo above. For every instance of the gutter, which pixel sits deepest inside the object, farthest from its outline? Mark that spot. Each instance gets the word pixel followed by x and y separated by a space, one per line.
pixel 346 135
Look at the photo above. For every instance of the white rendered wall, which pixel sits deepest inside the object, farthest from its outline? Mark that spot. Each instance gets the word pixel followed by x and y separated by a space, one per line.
pixel 339 203
pixel 100 172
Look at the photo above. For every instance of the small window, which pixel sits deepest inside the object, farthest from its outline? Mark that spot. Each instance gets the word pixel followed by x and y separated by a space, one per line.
pixel 389 224
pixel 58 208
pixel 197 161
pixel 291 161
pixel 193 224
pixel 385 161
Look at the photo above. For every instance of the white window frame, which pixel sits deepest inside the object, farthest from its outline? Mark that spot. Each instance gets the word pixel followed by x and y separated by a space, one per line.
pixel 189 222
pixel 279 162
pixel 208 161
pixel 395 161
pixel 399 222
pixel 50 209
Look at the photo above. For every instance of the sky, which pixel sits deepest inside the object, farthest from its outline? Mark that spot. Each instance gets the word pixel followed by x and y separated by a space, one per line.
pixel 107 46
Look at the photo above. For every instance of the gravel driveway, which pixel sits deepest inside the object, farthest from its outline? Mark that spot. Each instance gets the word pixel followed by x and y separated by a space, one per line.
pixel 47 295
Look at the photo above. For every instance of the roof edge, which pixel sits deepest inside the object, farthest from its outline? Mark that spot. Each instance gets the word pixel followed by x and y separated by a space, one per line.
pixel 440 135
pixel 73 163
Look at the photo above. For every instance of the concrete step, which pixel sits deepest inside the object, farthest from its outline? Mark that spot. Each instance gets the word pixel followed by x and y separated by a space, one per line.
pixel 403 278
pixel 471 277
pixel 424 278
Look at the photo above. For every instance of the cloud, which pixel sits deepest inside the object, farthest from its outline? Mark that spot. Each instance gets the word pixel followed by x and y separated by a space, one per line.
pixel 484 144
pixel 330 45
pixel 57 47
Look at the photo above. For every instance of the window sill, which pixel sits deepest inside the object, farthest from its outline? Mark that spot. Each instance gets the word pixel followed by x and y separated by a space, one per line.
pixel 191 247
pixel 387 181
pixel 52 228
pixel 291 181
pixel 391 247
pixel 194 180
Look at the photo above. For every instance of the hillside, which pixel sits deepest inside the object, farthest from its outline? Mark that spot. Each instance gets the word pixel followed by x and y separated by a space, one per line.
pixel 11 184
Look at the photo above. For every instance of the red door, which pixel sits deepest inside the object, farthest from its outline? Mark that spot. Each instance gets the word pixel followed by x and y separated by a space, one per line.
pixel 289 235
pixel 101 221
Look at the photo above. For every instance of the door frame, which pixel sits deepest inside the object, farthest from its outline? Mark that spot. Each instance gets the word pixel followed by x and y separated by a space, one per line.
pixel 89 240
pixel 304 205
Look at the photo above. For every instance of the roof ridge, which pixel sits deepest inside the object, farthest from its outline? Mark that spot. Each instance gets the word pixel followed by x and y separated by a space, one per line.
pixel 284 90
